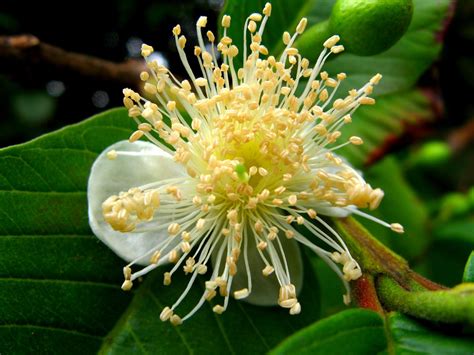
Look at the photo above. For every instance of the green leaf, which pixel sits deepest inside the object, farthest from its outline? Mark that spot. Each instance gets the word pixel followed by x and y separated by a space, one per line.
pixel 354 331
pixel 331 289
pixel 382 124
pixel 400 204
pixel 58 283
pixel 411 337
pixel 469 269
pixel 445 261
pixel 242 329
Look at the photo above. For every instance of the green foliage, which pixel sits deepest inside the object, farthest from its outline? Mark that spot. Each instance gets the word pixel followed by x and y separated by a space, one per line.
pixel 350 332
pixel 57 281
pixel 362 332
pixel 451 246
pixel 412 337
pixel 469 269
pixel 400 204
pixel 381 124
pixel 242 329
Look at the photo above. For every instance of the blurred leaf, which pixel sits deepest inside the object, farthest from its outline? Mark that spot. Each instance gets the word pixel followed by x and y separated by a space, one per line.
pixel 355 331
pixel 34 108
pixel 242 329
pixel 469 269
pixel 58 283
pixel 411 337
pixel 452 245
pixel 380 125
pixel 400 204
pixel 331 288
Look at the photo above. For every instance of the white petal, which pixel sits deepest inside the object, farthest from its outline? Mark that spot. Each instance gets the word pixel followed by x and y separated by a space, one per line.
pixel 265 289
pixel 330 211
pixel 109 177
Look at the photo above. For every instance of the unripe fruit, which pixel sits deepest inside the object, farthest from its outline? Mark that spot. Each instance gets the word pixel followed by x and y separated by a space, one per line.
pixel 369 27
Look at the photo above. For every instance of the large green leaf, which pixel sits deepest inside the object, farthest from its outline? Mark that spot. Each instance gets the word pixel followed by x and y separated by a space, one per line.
pixel 363 332
pixel 242 329
pixel 58 284
pixel 355 332
pixel 411 337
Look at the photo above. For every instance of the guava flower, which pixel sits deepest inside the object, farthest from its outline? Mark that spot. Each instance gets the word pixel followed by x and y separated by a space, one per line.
pixel 238 168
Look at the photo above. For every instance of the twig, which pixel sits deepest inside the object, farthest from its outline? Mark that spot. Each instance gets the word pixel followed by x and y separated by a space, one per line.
pixel 462 137
pixel 28 48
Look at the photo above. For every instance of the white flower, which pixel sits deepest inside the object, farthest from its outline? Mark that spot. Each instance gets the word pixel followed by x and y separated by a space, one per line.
pixel 240 182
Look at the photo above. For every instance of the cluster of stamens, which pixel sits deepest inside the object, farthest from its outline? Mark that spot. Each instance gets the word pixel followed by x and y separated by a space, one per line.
pixel 259 160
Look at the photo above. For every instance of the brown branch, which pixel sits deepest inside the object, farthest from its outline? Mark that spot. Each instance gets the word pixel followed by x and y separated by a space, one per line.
pixel 28 48
pixel 462 137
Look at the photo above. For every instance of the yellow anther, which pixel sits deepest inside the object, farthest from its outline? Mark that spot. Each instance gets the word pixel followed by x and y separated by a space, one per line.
pixel 202 21
pixel 166 314
pixel 337 49
pixel 174 228
pixel 366 101
pixel 292 200
pixel 135 136
pixel 155 257
pixel 225 21
pixel 182 41
pixel 397 227
pixel 267 10
pixel 330 42
pixel 127 285
pixel 112 154
pixel 210 36
pixel 218 309
pixel 268 270
pixel 177 30
pixel 146 50
pixel 356 140
pixel 176 320
pixel 238 295
pixel 301 25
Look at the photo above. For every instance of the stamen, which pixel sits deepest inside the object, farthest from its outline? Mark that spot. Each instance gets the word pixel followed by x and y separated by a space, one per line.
pixel 259 155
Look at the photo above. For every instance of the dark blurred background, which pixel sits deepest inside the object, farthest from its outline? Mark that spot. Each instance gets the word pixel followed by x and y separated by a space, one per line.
pixel 37 97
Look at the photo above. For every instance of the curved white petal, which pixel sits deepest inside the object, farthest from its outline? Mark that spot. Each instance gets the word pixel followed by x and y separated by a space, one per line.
pixel 109 177
pixel 331 211
pixel 265 289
